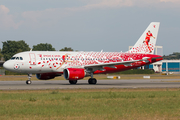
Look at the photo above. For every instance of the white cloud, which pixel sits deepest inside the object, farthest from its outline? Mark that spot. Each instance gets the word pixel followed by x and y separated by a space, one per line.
pixel 45 17
pixel 50 16
pixel 3 9
pixel 173 1
pixel 53 15
pixel 6 20
pixel 109 3
pixel 128 3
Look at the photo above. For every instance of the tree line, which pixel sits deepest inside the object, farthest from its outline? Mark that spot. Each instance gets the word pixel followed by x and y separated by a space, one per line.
pixel 13 47
pixel 174 56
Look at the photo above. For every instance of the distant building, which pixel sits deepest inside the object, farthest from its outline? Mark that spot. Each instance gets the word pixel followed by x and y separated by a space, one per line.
pixel 166 66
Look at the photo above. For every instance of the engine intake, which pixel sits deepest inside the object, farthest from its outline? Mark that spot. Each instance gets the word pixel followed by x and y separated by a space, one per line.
pixel 74 73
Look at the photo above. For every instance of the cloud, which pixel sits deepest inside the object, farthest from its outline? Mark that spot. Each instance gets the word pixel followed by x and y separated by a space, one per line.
pixel 109 3
pixel 47 17
pixel 7 20
pixel 172 1
pixel 50 17
pixel 54 15
pixel 128 3
pixel 3 9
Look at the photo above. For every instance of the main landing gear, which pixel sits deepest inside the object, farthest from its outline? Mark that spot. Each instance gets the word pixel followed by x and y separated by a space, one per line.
pixel 72 81
pixel 92 80
pixel 28 82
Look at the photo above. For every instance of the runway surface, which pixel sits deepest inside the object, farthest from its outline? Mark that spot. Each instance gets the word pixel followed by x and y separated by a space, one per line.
pixel 83 84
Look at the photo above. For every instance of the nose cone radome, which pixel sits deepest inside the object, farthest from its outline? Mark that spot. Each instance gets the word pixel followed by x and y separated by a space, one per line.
pixel 7 65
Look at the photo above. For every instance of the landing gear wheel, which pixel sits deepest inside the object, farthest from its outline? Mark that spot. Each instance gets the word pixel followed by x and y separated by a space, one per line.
pixel 72 81
pixel 28 82
pixel 92 81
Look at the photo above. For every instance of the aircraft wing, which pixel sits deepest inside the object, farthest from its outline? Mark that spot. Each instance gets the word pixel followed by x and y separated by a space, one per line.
pixel 111 65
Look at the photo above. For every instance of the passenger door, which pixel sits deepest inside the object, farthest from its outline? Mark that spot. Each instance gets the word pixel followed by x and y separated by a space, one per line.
pixel 32 59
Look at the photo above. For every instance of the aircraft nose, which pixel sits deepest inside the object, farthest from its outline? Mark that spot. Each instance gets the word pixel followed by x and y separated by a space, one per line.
pixel 7 66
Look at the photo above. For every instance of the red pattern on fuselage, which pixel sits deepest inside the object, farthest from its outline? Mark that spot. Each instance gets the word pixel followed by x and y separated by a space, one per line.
pixel 92 58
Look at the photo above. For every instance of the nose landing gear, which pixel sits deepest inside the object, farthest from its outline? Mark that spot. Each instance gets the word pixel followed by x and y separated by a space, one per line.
pixel 28 82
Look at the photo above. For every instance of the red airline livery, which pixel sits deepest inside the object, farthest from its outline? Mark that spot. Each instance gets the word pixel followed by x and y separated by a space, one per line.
pixel 77 65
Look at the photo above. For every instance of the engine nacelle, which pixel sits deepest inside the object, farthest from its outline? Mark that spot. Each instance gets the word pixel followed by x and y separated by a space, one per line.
pixel 45 76
pixel 74 73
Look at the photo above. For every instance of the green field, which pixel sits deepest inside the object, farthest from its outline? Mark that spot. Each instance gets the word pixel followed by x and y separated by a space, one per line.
pixel 108 104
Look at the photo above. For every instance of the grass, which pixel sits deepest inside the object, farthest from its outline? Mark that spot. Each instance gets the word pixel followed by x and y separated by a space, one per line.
pixel 87 104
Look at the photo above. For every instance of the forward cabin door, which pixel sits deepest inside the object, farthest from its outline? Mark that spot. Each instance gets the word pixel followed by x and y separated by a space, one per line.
pixel 33 65
pixel 32 59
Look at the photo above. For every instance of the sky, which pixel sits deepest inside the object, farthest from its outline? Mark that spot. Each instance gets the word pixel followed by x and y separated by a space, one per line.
pixel 89 25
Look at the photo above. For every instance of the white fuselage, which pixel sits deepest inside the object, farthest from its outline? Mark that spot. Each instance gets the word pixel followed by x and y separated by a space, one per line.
pixel 48 61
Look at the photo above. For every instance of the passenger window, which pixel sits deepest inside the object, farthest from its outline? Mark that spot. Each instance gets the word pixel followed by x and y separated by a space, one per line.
pixel 21 58
pixel 17 58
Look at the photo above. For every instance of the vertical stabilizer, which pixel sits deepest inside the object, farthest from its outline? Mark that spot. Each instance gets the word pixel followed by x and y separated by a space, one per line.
pixel 147 41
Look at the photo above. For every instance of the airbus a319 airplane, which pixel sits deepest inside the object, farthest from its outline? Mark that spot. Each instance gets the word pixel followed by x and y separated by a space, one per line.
pixel 77 65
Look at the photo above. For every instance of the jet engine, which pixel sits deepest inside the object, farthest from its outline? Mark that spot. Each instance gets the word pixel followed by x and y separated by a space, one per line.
pixel 74 73
pixel 45 76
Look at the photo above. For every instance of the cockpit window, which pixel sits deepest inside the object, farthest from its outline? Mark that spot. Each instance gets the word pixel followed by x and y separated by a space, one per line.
pixel 16 58
pixel 13 58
